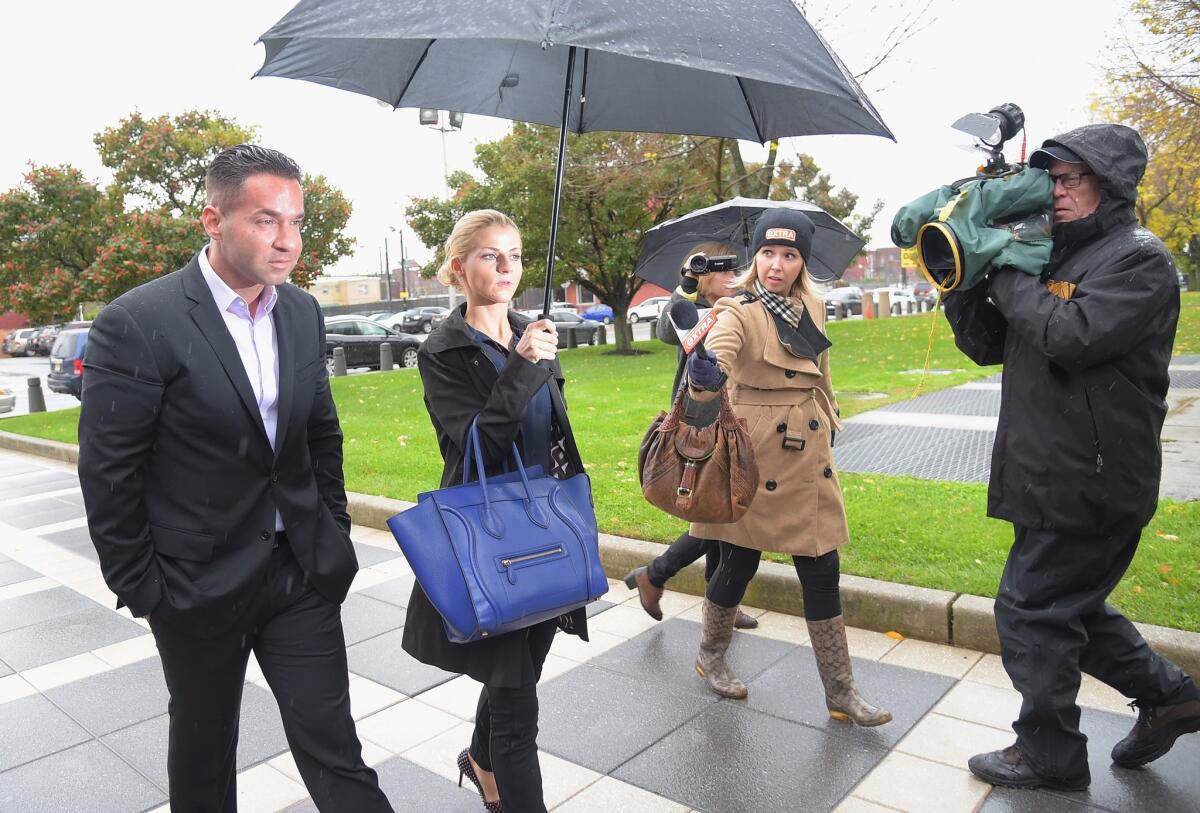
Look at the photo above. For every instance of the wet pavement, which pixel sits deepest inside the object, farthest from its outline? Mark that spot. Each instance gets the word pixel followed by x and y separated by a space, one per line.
pixel 626 725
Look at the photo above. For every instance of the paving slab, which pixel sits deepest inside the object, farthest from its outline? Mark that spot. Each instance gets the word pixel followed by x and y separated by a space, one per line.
pixel 88 777
pixel 37 483
pixel 413 789
pixel 384 661
pixel 115 699
pixel 12 572
pixel 260 736
pixel 44 729
pixel 394 591
pixel 369 555
pixel 41 512
pixel 666 655
pixel 791 690
pixel 65 636
pixel 600 719
pixel 364 617
pixel 77 540
pixel 733 759
pixel 21 611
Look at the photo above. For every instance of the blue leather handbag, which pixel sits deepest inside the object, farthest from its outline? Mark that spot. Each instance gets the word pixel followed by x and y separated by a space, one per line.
pixel 506 552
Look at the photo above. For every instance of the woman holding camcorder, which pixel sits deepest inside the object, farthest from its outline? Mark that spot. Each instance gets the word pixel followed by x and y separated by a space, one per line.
pixel 770 343
pixel 480 367
pixel 708 273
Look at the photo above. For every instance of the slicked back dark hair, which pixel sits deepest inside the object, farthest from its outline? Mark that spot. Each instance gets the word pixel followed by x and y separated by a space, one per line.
pixel 229 170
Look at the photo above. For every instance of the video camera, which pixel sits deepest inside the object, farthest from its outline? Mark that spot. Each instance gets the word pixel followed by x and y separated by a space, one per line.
pixel 997 217
pixel 699 265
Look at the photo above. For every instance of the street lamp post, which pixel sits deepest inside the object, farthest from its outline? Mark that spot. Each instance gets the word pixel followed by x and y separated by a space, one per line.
pixel 430 117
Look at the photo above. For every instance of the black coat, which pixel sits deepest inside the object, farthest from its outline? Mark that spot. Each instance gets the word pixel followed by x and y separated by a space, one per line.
pixel 461 382
pixel 1085 350
pixel 179 479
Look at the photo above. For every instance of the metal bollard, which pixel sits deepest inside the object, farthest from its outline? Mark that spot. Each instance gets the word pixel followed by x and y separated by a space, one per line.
pixel 339 361
pixel 385 357
pixel 885 305
pixel 572 341
pixel 602 335
pixel 37 399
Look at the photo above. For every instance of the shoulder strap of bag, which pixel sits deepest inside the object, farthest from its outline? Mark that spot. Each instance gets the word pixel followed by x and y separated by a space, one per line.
pixel 560 414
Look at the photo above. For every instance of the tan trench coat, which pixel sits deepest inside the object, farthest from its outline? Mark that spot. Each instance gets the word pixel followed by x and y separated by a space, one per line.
pixel 798 507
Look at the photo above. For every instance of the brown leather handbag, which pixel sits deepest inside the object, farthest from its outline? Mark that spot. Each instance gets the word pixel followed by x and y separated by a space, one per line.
pixel 701 474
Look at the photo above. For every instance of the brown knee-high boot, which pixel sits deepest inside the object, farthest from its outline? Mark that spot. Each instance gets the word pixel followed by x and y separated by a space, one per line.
pixel 714 640
pixel 833 662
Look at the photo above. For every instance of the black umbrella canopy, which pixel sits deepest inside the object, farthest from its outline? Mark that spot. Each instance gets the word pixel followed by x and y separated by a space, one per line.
pixel 754 71
pixel 665 246
pixel 704 67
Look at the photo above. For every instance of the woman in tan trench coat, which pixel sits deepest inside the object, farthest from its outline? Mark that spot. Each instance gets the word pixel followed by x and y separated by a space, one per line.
pixel 771 345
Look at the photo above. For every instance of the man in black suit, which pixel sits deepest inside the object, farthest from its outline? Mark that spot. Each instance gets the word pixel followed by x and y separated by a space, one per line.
pixel 210 456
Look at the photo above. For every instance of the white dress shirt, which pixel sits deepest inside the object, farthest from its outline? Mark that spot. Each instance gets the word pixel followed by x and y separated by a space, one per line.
pixel 257 345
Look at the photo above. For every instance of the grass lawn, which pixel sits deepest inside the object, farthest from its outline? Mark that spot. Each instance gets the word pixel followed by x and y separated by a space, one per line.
pixel 921 532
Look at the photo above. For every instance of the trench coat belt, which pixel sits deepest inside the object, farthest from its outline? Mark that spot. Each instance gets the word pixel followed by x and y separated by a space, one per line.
pixel 788 396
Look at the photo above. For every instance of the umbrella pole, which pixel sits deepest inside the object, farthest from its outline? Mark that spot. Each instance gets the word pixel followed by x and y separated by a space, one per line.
pixel 558 179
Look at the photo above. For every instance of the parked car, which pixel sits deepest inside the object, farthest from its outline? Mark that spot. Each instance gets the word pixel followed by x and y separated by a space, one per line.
pixel 66 362
pixel 565 321
pixel 417 320
pixel 379 316
pixel 843 301
pixel 43 341
pixel 648 309
pixel 361 339
pixel 8 400
pixel 17 342
pixel 924 291
pixel 599 313
pixel 1183 280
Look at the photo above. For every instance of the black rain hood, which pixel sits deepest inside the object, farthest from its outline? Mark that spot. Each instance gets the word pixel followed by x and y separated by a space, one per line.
pixel 1118 156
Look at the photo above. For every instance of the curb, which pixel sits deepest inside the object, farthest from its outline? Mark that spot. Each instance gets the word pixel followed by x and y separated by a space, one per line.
pixel 939 616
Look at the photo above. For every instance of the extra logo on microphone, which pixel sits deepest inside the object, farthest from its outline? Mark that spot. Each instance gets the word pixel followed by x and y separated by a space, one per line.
pixel 697 334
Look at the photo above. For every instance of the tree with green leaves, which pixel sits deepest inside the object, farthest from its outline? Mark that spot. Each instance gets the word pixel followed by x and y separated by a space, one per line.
pixel 52 228
pixel 616 186
pixel 1154 86
pixel 64 241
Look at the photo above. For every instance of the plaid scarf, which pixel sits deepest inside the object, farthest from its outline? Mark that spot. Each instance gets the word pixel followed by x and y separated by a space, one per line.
pixel 777 304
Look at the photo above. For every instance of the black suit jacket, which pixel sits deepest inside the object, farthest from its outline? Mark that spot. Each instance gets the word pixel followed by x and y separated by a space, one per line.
pixel 179 479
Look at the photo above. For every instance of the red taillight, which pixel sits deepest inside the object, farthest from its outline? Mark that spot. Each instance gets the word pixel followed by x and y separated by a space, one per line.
pixel 77 366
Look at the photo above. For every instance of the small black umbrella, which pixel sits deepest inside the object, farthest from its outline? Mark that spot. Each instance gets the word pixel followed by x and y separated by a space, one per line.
pixel 755 71
pixel 665 245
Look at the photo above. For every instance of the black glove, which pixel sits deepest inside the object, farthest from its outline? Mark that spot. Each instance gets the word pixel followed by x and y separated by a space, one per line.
pixel 703 372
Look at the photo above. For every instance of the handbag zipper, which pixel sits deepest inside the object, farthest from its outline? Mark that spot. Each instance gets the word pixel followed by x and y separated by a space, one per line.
pixel 516 560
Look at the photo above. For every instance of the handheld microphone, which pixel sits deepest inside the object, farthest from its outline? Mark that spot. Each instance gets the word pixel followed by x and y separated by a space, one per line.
pixel 688 324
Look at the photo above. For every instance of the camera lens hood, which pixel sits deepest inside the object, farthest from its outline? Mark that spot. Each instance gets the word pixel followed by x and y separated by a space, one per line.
pixel 940 255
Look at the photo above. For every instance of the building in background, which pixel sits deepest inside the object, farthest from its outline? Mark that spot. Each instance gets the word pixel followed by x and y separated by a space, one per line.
pixel 336 291
pixel 882 266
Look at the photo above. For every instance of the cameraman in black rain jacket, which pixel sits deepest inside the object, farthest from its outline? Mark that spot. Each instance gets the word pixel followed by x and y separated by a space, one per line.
pixel 1077 459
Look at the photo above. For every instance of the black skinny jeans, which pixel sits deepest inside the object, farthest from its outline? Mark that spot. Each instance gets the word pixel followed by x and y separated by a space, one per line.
pixel 506 729
pixel 818 580
pixel 681 553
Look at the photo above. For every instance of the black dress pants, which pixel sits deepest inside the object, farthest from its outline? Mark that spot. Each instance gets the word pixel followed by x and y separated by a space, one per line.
pixel 506 727
pixel 296 635
pixel 681 553
pixel 1054 624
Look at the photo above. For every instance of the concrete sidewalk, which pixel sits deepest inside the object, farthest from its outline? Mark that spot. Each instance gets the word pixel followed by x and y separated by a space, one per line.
pixel 626 725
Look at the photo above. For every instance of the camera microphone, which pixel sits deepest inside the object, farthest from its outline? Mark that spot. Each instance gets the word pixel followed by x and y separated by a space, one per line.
pixel 689 326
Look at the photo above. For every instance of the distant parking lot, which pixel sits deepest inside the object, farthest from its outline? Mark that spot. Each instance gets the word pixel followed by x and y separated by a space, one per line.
pixel 13 374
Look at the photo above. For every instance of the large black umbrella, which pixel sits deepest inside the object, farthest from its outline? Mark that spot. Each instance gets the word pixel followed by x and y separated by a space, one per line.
pixel 754 71
pixel 665 246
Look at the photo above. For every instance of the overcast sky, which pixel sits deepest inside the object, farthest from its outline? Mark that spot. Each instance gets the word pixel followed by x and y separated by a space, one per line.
pixel 72 68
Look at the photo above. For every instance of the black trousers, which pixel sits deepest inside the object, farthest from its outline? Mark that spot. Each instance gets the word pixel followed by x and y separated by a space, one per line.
pixel 506 727
pixel 1054 624
pixel 296 635
pixel 681 553
pixel 819 577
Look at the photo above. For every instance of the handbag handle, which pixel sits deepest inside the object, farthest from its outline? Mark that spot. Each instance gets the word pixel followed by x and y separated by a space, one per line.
pixel 475 450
